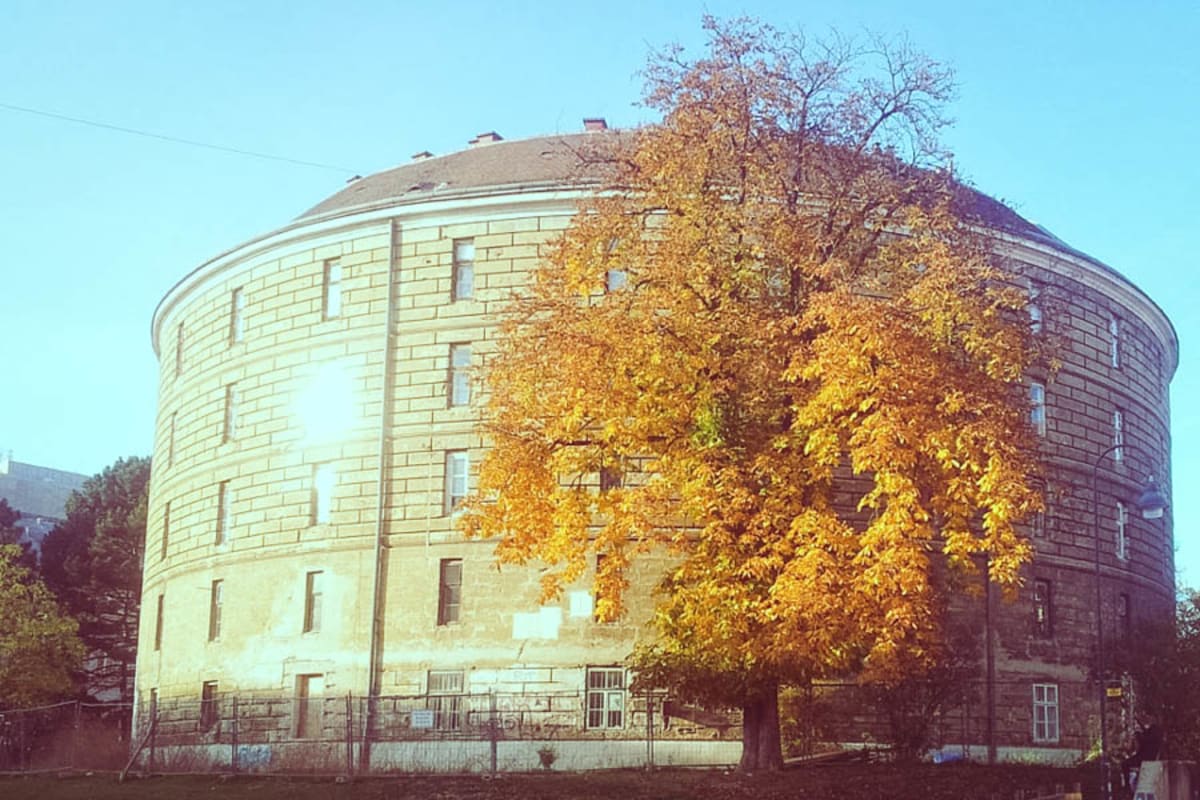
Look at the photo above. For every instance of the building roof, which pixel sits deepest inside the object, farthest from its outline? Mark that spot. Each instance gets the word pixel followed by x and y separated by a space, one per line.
pixel 37 491
pixel 566 160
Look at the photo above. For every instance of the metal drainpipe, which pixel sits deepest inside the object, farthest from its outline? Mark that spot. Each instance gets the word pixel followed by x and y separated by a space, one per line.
pixel 378 587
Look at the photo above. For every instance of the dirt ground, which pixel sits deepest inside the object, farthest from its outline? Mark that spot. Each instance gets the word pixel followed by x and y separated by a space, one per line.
pixel 840 782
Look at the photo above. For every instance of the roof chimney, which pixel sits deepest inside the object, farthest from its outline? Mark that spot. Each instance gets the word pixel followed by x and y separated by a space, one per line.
pixel 594 124
pixel 421 156
pixel 485 138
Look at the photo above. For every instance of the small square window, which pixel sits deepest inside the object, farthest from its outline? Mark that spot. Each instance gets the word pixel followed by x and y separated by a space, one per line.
pixel 463 269
pixel 615 280
pixel 1045 713
pixel 611 478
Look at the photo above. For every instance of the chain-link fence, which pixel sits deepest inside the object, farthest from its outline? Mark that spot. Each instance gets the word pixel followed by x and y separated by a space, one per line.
pixel 72 735
pixel 452 732
pixel 597 727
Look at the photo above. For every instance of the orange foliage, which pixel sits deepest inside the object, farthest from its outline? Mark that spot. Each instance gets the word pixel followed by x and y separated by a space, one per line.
pixel 810 380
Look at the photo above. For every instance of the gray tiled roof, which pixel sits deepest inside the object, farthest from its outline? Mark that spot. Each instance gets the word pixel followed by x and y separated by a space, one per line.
pixel 566 159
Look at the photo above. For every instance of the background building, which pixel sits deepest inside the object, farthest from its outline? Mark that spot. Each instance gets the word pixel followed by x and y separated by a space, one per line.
pixel 38 493
pixel 316 429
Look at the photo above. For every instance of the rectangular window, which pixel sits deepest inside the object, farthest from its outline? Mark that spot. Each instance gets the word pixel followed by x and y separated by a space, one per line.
pixel 1037 411
pixel 314 600
pixel 208 705
pixel 605 697
pixel 458 466
pixel 1118 434
pixel 214 611
pixel 1122 532
pixel 224 512
pixel 309 708
pixel 231 422
pixel 1045 712
pixel 237 310
pixel 171 438
pixel 1114 341
pixel 158 623
pixel 1043 609
pixel 324 479
pixel 332 304
pixel 445 699
pixel 1035 317
pixel 179 350
pixel 449 590
pixel 464 269
pixel 166 530
pixel 460 375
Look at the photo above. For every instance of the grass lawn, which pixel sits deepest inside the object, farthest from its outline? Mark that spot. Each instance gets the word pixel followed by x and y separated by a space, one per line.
pixel 849 781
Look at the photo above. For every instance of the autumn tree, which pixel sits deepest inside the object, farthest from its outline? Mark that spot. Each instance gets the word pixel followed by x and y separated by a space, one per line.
pixel 774 345
pixel 39 648
pixel 93 561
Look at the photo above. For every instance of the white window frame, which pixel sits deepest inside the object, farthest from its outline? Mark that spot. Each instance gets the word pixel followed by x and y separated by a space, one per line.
pixel 1118 419
pixel 1037 411
pixel 449 610
pixel 1114 341
pixel 1122 532
pixel 458 472
pixel 463 270
pixel 445 697
pixel 323 482
pixel 209 711
pixel 459 377
pixel 1045 713
pixel 309 720
pixel 331 302
pixel 604 706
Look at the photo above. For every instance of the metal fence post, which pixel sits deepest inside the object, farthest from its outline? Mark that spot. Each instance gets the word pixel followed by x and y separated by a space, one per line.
pixel 349 737
pixel 233 738
pixel 493 728
pixel 74 753
pixel 649 729
pixel 153 733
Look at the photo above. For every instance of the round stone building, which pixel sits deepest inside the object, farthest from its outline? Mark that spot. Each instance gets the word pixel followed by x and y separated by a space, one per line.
pixel 317 427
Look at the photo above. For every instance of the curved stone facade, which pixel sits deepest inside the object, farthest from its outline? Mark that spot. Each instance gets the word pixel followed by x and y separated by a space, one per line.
pixel 316 422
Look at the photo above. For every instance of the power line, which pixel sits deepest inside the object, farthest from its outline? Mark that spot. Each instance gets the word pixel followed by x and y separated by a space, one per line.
pixel 174 139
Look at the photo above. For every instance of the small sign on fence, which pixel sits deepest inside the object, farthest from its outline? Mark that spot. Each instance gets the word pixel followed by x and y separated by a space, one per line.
pixel 422 718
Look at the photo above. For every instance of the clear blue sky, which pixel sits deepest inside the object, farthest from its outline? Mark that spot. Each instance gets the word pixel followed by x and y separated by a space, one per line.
pixel 1082 115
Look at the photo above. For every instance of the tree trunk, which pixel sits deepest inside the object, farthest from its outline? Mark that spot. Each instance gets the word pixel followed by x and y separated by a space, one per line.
pixel 761 748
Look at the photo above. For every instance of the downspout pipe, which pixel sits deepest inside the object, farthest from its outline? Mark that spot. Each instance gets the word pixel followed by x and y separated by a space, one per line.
pixel 378 584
